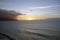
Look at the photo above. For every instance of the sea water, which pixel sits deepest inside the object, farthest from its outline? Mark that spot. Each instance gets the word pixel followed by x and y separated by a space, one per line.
pixel 31 30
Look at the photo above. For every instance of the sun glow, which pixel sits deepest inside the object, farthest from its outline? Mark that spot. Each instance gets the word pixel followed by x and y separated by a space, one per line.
pixel 24 17
pixel 29 18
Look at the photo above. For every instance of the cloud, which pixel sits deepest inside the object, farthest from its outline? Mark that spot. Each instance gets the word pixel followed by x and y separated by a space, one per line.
pixel 32 8
pixel 44 7
pixel 8 14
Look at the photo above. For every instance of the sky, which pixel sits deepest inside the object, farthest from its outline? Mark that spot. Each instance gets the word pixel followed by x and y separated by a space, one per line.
pixel 36 8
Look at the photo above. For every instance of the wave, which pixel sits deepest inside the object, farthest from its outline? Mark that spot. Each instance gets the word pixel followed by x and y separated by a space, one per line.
pixel 41 36
pixel 26 35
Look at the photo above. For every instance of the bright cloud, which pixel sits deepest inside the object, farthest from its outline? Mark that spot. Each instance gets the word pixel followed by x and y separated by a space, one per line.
pixel 32 8
pixel 42 7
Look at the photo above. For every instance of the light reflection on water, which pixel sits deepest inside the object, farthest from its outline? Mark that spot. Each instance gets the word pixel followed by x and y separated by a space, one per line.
pixel 32 30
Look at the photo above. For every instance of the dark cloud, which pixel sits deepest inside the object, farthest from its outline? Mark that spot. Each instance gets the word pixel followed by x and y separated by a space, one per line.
pixel 8 14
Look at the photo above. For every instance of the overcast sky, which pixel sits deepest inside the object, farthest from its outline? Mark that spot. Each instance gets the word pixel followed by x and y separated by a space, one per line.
pixel 45 8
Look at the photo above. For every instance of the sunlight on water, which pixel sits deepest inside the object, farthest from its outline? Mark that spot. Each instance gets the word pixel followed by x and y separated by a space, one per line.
pixel 31 30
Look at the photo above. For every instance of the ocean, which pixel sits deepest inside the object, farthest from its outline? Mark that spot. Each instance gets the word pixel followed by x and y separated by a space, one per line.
pixel 31 29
